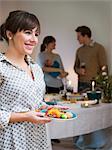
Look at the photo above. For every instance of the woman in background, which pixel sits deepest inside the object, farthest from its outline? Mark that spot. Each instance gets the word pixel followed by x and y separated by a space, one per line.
pixel 52 65
pixel 21 86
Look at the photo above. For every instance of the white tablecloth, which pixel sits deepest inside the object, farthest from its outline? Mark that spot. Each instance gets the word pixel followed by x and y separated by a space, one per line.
pixel 88 120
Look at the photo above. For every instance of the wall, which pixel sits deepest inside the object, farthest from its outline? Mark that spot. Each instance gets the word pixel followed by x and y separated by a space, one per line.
pixel 60 20
pixel 5 7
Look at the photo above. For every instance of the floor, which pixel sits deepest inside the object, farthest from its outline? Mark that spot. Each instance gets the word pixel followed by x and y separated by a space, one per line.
pixel 67 144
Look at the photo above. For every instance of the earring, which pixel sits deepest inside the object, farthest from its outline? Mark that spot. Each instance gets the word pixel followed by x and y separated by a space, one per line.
pixel 10 38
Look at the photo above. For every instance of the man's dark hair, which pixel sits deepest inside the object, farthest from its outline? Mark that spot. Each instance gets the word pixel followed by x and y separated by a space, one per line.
pixel 84 30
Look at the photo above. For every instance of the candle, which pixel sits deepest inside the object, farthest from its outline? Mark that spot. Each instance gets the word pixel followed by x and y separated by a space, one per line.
pixel 86 104
pixel 93 85
pixel 69 83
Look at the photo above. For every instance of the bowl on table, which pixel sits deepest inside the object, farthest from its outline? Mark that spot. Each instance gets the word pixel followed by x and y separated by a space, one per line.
pixel 94 95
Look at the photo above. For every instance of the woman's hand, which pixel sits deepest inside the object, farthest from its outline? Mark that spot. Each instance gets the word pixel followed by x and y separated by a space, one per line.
pixel 58 106
pixel 36 117
pixel 63 74
pixel 30 116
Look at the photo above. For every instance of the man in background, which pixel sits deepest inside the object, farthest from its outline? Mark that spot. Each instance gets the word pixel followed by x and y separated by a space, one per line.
pixel 90 60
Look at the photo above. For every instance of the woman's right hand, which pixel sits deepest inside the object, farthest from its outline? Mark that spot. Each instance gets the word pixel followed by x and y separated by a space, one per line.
pixel 63 74
pixel 36 117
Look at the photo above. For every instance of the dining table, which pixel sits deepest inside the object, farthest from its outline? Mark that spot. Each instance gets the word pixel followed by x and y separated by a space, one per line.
pixel 88 120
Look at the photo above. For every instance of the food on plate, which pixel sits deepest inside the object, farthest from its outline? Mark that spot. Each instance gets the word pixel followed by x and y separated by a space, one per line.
pixel 69 115
pixel 54 112
pixel 58 113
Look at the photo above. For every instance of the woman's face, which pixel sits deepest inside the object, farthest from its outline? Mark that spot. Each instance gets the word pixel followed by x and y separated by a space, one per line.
pixel 51 46
pixel 25 41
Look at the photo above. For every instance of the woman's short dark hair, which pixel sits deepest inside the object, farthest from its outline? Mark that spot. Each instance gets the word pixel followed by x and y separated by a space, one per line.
pixel 46 41
pixel 84 30
pixel 17 21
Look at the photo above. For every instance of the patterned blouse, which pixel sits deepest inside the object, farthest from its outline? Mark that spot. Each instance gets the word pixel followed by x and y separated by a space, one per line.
pixel 20 93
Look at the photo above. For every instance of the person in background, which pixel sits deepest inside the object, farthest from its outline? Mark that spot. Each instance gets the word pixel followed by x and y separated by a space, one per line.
pixel 52 65
pixel 90 59
pixel 22 86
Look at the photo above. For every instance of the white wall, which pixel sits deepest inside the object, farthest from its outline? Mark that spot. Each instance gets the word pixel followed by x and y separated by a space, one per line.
pixel 5 7
pixel 60 20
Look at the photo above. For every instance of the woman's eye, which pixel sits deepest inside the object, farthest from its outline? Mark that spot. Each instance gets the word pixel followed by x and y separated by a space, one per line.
pixel 28 32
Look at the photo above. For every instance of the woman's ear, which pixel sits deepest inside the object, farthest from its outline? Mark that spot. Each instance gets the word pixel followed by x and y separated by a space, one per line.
pixel 9 35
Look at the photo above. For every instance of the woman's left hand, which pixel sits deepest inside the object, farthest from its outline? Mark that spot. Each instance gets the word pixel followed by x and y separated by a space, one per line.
pixel 58 106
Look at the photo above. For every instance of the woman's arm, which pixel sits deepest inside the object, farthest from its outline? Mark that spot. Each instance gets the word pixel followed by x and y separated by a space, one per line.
pixel 31 116
pixel 52 69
